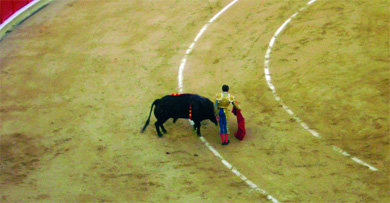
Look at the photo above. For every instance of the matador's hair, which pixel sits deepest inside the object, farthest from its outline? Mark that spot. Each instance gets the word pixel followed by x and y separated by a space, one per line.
pixel 225 88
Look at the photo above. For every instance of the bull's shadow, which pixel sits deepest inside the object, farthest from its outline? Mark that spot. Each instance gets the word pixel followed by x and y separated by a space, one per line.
pixel 188 106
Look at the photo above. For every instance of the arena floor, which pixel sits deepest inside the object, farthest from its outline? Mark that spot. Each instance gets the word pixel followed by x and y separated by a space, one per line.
pixel 78 79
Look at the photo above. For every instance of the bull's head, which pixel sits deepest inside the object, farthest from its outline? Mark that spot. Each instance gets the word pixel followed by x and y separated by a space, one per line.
pixel 208 111
pixel 211 115
pixel 214 120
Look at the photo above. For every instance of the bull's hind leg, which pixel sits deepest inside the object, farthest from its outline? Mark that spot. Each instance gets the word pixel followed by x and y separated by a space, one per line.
pixel 160 124
pixel 158 129
pixel 163 129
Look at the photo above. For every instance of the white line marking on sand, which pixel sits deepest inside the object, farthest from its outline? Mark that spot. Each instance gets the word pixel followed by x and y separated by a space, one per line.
pixel 18 12
pixel 285 107
pixel 190 48
pixel 180 90
pixel 237 173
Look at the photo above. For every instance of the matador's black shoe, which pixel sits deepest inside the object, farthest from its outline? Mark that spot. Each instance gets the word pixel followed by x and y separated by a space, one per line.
pixel 226 143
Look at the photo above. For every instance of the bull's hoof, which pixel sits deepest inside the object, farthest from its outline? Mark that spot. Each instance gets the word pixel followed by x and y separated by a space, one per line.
pixel 199 135
pixel 160 135
pixel 164 131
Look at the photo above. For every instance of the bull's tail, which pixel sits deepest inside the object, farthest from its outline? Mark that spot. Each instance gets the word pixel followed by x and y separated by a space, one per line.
pixel 147 121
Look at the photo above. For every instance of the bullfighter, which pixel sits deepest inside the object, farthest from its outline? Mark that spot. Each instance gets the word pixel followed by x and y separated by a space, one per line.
pixel 223 100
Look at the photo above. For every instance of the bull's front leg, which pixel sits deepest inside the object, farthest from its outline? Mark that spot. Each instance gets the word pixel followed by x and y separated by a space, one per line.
pixel 197 126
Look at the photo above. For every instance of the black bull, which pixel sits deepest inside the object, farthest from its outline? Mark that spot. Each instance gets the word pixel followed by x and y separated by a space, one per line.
pixel 179 106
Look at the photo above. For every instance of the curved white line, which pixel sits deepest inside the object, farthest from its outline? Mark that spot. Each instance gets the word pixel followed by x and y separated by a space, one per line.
pixel 18 12
pixel 189 50
pixel 285 107
pixel 24 9
pixel 180 90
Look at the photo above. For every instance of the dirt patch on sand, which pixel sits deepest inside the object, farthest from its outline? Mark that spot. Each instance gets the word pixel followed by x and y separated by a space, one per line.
pixel 19 155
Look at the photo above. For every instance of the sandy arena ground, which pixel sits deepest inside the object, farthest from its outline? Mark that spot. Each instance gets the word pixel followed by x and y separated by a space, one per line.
pixel 79 76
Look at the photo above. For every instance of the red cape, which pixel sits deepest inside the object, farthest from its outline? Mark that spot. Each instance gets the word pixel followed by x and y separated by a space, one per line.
pixel 240 134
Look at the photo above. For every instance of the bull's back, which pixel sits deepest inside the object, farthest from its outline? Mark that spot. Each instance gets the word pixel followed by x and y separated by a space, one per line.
pixel 174 106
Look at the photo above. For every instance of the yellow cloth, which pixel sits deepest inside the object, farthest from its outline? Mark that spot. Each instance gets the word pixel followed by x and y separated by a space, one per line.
pixel 224 99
